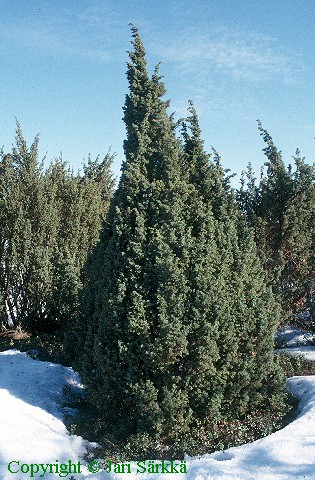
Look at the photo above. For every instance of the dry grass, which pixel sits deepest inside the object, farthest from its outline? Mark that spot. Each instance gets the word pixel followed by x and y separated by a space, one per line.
pixel 16 334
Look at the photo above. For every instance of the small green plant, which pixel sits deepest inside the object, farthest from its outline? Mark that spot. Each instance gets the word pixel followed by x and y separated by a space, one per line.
pixel 45 347
pixel 296 365
pixel 204 437
pixel 280 342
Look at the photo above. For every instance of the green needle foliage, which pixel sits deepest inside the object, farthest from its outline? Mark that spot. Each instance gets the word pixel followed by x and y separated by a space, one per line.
pixel 137 292
pixel 281 208
pixel 176 321
pixel 232 311
pixel 49 222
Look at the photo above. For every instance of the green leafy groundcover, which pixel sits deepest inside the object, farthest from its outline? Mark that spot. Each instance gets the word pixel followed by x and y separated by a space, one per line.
pixel 203 437
pixel 44 347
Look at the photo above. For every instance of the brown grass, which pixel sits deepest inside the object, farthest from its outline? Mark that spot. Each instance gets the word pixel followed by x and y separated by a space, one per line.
pixel 16 334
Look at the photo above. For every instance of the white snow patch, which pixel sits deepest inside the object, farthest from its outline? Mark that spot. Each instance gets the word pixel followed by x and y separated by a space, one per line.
pixel 31 426
pixel 294 337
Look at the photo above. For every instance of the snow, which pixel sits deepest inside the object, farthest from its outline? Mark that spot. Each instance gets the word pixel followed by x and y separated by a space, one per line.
pixel 32 431
pixel 31 425
pixel 296 342
pixel 286 454
pixel 293 337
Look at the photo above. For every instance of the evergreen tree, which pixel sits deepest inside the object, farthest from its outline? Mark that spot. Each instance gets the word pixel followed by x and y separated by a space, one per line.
pixel 203 380
pixel 177 317
pixel 276 191
pixel 8 210
pixel 298 277
pixel 137 290
pixel 233 314
pixel 248 195
pixel 80 205
pixel 49 222
pixel 25 257
pixel 280 209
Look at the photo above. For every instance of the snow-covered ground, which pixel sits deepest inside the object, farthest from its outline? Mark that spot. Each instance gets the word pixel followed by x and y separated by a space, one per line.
pixel 290 336
pixel 297 342
pixel 32 432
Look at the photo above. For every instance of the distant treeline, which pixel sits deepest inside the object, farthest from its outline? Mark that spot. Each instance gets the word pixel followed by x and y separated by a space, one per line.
pixel 50 220
pixel 281 209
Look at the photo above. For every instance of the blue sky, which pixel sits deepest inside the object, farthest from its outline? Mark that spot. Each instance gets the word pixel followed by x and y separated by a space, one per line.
pixel 63 67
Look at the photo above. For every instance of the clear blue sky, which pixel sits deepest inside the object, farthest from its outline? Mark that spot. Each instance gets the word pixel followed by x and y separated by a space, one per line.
pixel 63 65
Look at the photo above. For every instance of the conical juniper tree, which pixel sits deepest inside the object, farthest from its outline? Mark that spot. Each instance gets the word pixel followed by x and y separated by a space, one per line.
pixel 137 291
pixel 81 202
pixel 176 316
pixel 275 194
pixel 8 211
pixel 230 367
pixel 25 258
pixel 201 378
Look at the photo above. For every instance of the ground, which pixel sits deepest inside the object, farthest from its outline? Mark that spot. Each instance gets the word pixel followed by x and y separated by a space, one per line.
pixel 32 412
